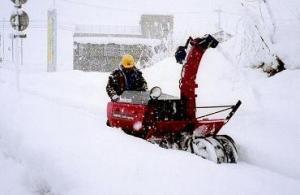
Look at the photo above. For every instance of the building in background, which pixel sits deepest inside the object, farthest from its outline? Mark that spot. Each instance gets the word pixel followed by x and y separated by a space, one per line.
pixel 99 48
pixel 158 27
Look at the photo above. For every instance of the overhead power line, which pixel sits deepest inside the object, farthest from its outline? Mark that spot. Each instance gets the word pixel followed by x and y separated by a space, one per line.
pixel 122 9
pixel 100 6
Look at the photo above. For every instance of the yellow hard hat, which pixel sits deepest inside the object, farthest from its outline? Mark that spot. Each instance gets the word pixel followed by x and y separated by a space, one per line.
pixel 127 61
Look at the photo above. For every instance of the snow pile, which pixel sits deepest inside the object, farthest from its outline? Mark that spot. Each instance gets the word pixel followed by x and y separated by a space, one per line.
pixel 55 140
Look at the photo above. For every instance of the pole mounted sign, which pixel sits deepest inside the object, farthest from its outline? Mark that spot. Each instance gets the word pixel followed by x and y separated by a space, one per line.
pixel 19 20
pixel 19 2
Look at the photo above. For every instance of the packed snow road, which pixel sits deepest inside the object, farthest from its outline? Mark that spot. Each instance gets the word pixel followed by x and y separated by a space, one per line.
pixel 53 139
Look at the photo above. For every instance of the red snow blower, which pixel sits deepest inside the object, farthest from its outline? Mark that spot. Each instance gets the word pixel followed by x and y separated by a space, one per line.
pixel 171 122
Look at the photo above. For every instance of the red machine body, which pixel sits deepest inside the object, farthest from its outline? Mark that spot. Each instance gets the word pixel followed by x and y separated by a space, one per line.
pixel 138 114
pixel 140 120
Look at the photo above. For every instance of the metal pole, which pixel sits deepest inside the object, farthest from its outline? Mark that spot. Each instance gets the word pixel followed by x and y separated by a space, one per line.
pixel 17 37
pixel 17 62
pixel 3 42
pixel 12 47
pixel 0 47
pixel 21 52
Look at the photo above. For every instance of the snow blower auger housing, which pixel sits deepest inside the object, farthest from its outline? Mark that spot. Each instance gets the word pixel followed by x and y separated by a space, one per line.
pixel 171 122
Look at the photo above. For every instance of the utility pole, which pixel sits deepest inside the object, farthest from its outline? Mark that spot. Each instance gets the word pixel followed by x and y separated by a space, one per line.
pixel 19 21
pixel 21 51
pixel 0 47
pixel 3 42
pixel 52 40
pixel 11 36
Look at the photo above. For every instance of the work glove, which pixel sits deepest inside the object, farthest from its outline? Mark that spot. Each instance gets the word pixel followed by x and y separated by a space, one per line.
pixel 115 98
pixel 180 54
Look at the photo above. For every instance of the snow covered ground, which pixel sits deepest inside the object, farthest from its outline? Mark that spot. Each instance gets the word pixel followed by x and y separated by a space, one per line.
pixel 53 137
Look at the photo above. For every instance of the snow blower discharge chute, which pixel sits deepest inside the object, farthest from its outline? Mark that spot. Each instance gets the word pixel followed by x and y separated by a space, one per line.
pixel 171 122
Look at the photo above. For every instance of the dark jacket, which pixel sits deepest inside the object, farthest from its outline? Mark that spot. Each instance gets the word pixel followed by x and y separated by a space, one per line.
pixel 122 79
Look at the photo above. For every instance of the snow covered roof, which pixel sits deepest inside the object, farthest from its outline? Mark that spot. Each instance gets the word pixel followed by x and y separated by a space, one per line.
pixel 118 40
pixel 109 29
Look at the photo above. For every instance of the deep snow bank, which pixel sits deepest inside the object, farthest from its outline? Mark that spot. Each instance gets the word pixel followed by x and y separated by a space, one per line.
pixel 54 131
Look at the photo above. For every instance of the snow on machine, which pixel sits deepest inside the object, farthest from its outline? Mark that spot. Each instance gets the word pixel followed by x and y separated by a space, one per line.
pixel 171 122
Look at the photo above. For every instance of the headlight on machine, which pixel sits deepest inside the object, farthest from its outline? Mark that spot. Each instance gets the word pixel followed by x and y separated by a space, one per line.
pixel 155 93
